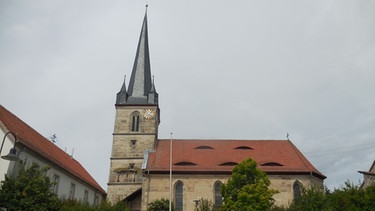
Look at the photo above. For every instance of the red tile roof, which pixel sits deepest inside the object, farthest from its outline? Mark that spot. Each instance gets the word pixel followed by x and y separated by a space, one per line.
pixel 371 171
pixel 272 156
pixel 30 138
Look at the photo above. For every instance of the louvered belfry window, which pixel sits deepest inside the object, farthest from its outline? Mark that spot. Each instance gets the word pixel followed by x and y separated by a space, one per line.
pixel 135 122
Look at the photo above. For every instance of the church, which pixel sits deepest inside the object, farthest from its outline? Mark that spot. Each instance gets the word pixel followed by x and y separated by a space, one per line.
pixel 144 168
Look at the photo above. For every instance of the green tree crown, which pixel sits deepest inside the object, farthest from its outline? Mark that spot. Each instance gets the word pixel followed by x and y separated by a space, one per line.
pixel 247 189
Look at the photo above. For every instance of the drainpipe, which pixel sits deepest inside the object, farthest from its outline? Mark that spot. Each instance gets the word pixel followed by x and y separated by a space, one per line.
pixel 148 187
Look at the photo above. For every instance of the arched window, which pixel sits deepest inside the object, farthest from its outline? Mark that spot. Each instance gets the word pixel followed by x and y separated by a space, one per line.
pixel 135 122
pixel 218 199
pixel 178 196
pixel 297 186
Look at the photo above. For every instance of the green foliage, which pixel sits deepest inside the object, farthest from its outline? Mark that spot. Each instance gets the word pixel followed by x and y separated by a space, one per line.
pixel 247 189
pixel 159 205
pixel 347 198
pixel 311 199
pixel 73 205
pixel 205 205
pixel 30 190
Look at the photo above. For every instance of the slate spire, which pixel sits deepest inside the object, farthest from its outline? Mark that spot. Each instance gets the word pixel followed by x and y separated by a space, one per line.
pixel 122 95
pixel 141 89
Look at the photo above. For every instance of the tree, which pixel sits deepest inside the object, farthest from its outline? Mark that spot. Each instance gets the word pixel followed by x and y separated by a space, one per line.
pixel 314 198
pixel 205 205
pixel 348 197
pixel 159 205
pixel 247 189
pixel 30 190
pixel 74 205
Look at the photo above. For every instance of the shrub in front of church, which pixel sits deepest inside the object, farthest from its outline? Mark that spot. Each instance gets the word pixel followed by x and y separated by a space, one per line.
pixel 346 198
pixel 247 189
pixel 159 205
pixel 205 205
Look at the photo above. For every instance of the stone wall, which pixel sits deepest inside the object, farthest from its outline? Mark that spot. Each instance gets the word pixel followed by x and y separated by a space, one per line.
pixel 128 149
pixel 202 186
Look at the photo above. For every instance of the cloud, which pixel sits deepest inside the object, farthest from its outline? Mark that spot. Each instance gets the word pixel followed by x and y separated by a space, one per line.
pixel 250 70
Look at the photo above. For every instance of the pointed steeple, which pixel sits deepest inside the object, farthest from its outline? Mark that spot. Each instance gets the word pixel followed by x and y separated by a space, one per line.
pixel 153 95
pixel 140 88
pixel 122 94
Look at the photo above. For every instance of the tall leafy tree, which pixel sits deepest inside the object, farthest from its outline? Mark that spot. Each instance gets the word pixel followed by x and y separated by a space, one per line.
pixel 247 189
pixel 30 190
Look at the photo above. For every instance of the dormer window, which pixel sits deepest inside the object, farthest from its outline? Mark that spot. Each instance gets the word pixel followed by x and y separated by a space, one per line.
pixel 135 122
pixel 272 164
pixel 204 147
pixel 244 148
pixel 185 163
pixel 228 164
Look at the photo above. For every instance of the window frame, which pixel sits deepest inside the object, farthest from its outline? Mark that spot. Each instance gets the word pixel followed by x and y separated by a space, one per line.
pixel 56 182
pixel 135 121
pixel 179 196
pixel 218 198
pixel 72 190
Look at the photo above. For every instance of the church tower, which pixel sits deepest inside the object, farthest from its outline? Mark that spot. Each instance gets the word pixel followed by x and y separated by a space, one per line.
pixel 136 125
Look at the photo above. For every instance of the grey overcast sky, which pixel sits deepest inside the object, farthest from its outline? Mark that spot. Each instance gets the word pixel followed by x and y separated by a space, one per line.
pixel 223 69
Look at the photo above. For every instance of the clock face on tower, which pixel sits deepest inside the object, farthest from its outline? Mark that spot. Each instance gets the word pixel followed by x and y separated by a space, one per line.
pixel 148 113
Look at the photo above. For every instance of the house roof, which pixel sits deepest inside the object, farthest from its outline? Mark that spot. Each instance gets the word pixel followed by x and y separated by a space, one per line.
pixel 220 156
pixel 371 171
pixel 34 141
pixel 367 173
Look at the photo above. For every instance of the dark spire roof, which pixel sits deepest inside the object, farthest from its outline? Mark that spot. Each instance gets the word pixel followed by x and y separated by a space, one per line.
pixel 141 89
pixel 122 95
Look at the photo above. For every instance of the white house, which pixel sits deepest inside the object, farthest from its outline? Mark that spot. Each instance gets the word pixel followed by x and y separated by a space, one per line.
pixel 71 179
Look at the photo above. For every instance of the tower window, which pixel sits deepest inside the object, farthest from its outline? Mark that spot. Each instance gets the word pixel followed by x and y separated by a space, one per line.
pixel 135 122
pixel 133 142
pixel 131 165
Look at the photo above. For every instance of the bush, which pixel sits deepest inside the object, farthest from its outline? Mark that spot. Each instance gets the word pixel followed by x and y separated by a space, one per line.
pixel 30 190
pixel 159 205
